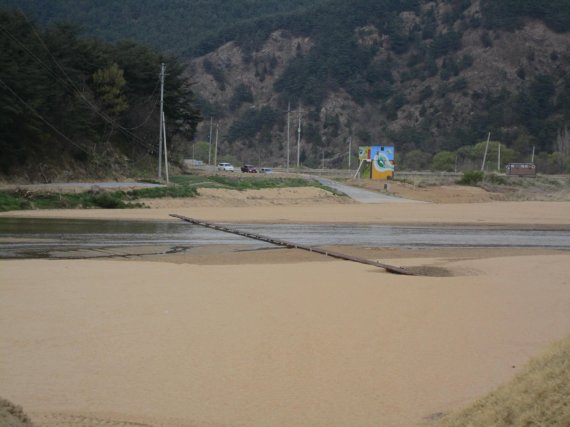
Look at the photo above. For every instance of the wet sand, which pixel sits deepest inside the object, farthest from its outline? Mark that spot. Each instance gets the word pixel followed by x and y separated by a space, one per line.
pixel 278 338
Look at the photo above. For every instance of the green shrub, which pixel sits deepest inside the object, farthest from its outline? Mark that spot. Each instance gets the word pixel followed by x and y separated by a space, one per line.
pixel 108 201
pixel 11 202
pixel 471 178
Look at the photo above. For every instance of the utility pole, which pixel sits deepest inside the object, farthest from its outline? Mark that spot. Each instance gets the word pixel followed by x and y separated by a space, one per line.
pixel 299 140
pixel 210 143
pixel 532 158
pixel 288 131
pixel 216 147
pixel 485 155
pixel 160 128
pixel 165 151
pixel 349 150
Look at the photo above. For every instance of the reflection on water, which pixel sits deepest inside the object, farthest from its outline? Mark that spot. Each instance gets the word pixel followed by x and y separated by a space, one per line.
pixel 25 238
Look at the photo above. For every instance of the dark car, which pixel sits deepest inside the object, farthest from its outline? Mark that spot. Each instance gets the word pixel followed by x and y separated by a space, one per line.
pixel 248 169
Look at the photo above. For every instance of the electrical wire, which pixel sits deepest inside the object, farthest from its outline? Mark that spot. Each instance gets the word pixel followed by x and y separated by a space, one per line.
pixel 69 82
pixel 60 133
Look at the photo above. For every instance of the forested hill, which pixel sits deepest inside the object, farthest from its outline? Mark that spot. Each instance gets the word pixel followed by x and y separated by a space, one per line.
pixel 72 106
pixel 181 27
pixel 190 27
pixel 432 77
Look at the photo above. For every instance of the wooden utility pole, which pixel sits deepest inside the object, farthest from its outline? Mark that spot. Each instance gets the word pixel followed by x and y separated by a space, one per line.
pixel 216 147
pixel 210 143
pixel 160 128
pixel 349 150
pixel 165 151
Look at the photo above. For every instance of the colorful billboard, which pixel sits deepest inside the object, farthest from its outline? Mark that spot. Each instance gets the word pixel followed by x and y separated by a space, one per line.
pixel 381 158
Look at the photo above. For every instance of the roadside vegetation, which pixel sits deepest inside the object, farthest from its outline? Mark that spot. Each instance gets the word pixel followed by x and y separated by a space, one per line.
pixel 243 183
pixel 542 187
pixel 538 396
pixel 183 186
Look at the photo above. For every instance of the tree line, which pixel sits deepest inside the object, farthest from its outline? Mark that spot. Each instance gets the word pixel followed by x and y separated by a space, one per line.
pixel 77 99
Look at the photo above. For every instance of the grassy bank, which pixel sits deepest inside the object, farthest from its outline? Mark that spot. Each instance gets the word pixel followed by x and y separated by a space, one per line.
pixel 20 200
pixel 183 186
pixel 538 396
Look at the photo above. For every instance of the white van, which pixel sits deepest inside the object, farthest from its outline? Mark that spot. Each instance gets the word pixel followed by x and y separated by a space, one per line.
pixel 228 167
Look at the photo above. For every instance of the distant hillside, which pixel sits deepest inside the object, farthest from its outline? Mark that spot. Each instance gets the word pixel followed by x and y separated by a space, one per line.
pixel 176 26
pixel 432 77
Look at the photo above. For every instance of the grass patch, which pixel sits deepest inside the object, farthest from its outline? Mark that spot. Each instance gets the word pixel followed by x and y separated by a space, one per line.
pixel 248 182
pixel 496 179
pixel 11 201
pixel 181 187
pixel 538 396
pixel 254 183
pixel 174 191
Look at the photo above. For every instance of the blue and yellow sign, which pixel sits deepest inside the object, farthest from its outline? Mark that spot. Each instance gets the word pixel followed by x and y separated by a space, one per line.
pixel 381 158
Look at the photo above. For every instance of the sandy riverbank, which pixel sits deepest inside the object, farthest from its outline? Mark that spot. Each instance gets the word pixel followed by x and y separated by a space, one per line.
pixel 277 338
pixel 491 213
pixel 305 344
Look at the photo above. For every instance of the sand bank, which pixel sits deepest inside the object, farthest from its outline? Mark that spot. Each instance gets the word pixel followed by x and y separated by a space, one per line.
pixel 279 338
pixel 304 344
pixel 492 213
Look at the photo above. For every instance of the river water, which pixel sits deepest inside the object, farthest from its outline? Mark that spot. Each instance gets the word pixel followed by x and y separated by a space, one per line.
pixel 58 238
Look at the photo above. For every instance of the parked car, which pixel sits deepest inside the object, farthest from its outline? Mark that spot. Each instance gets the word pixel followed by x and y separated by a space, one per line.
pixel 266 170
pixel 228 167
pixel 248 169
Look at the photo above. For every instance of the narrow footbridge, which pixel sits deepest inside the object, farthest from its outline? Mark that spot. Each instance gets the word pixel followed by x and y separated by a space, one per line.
pixel 283 243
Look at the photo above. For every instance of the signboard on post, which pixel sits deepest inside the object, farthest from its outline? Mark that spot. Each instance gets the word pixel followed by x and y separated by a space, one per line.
pixel 521 169
pixel 380 159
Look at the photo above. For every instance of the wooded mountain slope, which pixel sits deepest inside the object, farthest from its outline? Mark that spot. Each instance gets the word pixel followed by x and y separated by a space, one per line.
pixel 432 77
pixel 71 105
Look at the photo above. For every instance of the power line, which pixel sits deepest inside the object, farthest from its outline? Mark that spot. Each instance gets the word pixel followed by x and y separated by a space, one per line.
pixel 42 118
pixel 73 86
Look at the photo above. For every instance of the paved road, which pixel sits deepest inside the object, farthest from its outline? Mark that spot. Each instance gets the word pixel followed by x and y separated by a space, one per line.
pixel 361 195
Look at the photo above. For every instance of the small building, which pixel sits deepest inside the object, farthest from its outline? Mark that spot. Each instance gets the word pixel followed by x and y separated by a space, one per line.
pixel 521 169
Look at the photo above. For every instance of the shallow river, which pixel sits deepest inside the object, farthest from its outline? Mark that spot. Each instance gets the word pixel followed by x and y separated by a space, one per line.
pixel 33 238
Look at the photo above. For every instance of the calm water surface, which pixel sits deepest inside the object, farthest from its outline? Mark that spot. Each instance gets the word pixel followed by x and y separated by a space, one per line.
pixel 32 238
